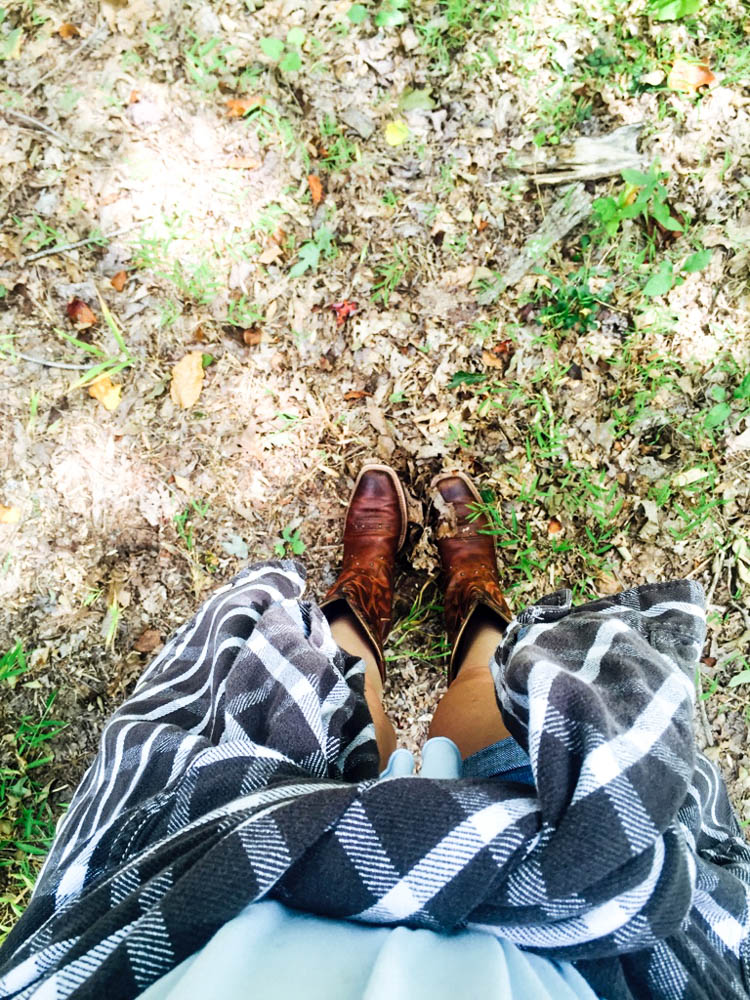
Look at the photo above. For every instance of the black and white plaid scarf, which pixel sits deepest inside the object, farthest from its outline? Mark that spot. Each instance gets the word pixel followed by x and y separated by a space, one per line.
pixel 244 766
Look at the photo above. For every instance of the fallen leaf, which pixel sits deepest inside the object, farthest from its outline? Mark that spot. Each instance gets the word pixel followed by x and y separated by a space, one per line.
pixel 187 380
pixel 689 477
pixel 344 310
pixel 253 336
pixel 416 100
pixel 356 394
pixel 9 515
pixel 236 546
pixel 689 77
pixel 237 107
pixel 377 418
pixel 741 442
pixel 11 44
pixel 554 526
pixel 709 661
pixel 652 79
pixel 118 280
pixel 182 482
pixel 148 641
pixel 499 355
pixel 80 313
pixel 607 584
pixel 243 163
pixel 270 254
pixel 68 30
pixel 396 133
pixel 316 188
pixel 482 225
pixel 135 96
pixel 107 393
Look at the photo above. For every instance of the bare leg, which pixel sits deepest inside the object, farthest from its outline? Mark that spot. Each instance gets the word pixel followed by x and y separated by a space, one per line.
pixel 350 636
pixel 468 713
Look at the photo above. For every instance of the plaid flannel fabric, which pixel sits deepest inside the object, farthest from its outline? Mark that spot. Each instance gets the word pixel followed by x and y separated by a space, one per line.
pixel 244 766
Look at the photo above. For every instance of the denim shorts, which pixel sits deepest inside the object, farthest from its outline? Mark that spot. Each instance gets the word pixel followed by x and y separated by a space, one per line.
pixel 505 759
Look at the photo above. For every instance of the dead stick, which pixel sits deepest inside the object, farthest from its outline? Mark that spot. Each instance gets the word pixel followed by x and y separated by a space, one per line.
pixel 64 247
pixel 55 364
pixel 34 123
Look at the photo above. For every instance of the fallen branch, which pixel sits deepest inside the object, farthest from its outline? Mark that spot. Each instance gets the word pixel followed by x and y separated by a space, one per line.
pixel 587 158
pixel 564 215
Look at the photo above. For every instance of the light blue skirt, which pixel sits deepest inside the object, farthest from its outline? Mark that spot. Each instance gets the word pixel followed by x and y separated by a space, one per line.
pixel 270 952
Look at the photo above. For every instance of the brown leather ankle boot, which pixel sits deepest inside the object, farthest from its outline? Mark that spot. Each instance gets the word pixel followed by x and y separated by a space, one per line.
pixel 468 559
pixel 374 531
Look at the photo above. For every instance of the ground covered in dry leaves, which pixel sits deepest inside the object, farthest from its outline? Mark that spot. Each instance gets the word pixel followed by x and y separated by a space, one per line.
pixel 288 236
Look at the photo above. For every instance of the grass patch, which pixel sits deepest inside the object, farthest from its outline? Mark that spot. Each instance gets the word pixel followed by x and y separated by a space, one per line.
pixel 27 819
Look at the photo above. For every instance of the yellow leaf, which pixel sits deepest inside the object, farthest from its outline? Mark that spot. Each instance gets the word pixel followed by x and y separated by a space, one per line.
pixel 9 515
pixel 107 393
pixel 396 133
pixel 187 380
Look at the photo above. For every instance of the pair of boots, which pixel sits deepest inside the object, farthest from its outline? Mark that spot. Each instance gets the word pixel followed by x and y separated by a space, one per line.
pixel 375 530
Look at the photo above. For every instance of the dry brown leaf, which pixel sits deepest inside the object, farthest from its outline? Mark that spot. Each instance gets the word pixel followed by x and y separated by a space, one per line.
pixel 9 515
pixel 253 336
pixel 554 526
pixel 239 106
pixel 607 584
pixel 689 77
pixel 270 254
pixel 316 188
pixel 81 314
pixel 148 641
pixel 118 280
pixel 68 30
pixel 356 394
pixel 187 380
pixel 107 393
pixel 499 355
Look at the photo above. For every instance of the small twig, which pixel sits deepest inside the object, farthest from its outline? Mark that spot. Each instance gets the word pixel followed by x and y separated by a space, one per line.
pixel 696 569
pixel 64 247
pixel 54 364
pixel 34 123
pixel 714 582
